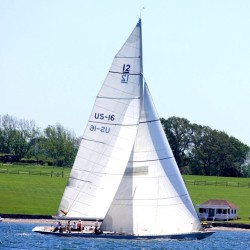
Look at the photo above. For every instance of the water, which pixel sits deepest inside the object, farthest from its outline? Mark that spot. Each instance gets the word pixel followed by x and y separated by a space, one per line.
pixel 20 236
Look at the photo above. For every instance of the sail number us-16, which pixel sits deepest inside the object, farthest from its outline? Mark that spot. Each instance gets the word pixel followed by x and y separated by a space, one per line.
pixel 101 116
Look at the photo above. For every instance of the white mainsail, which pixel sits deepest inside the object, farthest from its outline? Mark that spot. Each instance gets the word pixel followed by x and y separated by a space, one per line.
pixel 125 173
pixel 108 138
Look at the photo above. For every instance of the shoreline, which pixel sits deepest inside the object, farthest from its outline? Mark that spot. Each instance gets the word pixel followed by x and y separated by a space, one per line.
pixel 28 221
pixel 52 222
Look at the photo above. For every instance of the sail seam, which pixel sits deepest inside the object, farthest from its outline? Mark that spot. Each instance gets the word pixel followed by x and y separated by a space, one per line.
pixel 92 140
pixel 161 159
pixel 105 173
pixel 118 98
pixel 167 198
pixel 127 56
pixel 121 73
pixel 115 124
pixel 151 121
pixel 79 179
pixel 94 172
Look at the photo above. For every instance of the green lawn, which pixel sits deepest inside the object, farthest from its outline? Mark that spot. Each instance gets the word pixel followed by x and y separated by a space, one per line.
pixel 234 190
pixel 35 191
pixel 28 194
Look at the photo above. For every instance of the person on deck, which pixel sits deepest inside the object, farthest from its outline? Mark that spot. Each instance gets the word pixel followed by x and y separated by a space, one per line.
pixel 79 225
pixel 57 226
pixel 97 228
pixel 74 226
pixel 68 227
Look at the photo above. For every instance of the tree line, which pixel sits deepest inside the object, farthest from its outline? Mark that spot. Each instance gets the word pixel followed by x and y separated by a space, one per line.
pixel 198 149
pixel 54 145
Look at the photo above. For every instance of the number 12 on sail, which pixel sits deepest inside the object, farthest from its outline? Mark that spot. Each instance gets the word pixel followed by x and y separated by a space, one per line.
pixel 125 71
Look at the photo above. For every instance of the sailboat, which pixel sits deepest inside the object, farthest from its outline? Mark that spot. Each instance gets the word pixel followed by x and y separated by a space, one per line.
pixel 125 175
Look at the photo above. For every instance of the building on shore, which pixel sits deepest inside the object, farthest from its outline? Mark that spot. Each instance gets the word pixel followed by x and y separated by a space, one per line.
pixel 217 210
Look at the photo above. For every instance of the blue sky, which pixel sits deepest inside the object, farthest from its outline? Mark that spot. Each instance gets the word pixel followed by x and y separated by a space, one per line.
pixel 54 57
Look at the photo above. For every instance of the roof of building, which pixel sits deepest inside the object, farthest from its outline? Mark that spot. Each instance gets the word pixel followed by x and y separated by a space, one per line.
pixel 219 203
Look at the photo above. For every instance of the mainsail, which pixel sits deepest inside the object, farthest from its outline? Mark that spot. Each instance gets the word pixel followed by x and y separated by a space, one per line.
pixel 108 138
pixel 125 173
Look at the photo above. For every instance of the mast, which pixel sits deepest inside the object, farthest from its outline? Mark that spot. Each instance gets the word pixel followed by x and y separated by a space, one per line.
pixel 139 23
pixel 141 61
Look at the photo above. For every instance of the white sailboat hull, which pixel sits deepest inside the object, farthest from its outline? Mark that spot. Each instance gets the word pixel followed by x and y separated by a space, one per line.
pixel 199 235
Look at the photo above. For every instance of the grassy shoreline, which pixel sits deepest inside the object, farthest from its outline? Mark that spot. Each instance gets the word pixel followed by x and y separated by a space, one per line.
pixel 31 194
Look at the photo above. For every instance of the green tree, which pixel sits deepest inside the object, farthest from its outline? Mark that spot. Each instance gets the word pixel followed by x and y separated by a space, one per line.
pixel 204 150
pixel 16 135
pixel 216 153
pixel 179 133
pixel 59 145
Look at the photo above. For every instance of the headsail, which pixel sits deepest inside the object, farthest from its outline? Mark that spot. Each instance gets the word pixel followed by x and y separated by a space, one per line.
pixel 108 138
pixel 152 198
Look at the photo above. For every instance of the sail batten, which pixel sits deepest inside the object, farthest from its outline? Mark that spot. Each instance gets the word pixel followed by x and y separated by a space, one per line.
pixel 156 120
pixel 114 124
pixel 118 98
pixel 133 74
pixel 158 159
pixel 128 57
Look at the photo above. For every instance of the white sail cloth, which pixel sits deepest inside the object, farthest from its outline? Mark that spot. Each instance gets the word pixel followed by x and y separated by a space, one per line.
pixel 108 138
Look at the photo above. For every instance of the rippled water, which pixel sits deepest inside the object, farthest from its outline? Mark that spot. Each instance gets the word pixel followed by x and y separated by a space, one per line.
pixel 20 236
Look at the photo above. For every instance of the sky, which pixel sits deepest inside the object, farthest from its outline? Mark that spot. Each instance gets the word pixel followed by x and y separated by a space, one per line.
pixel 55 54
